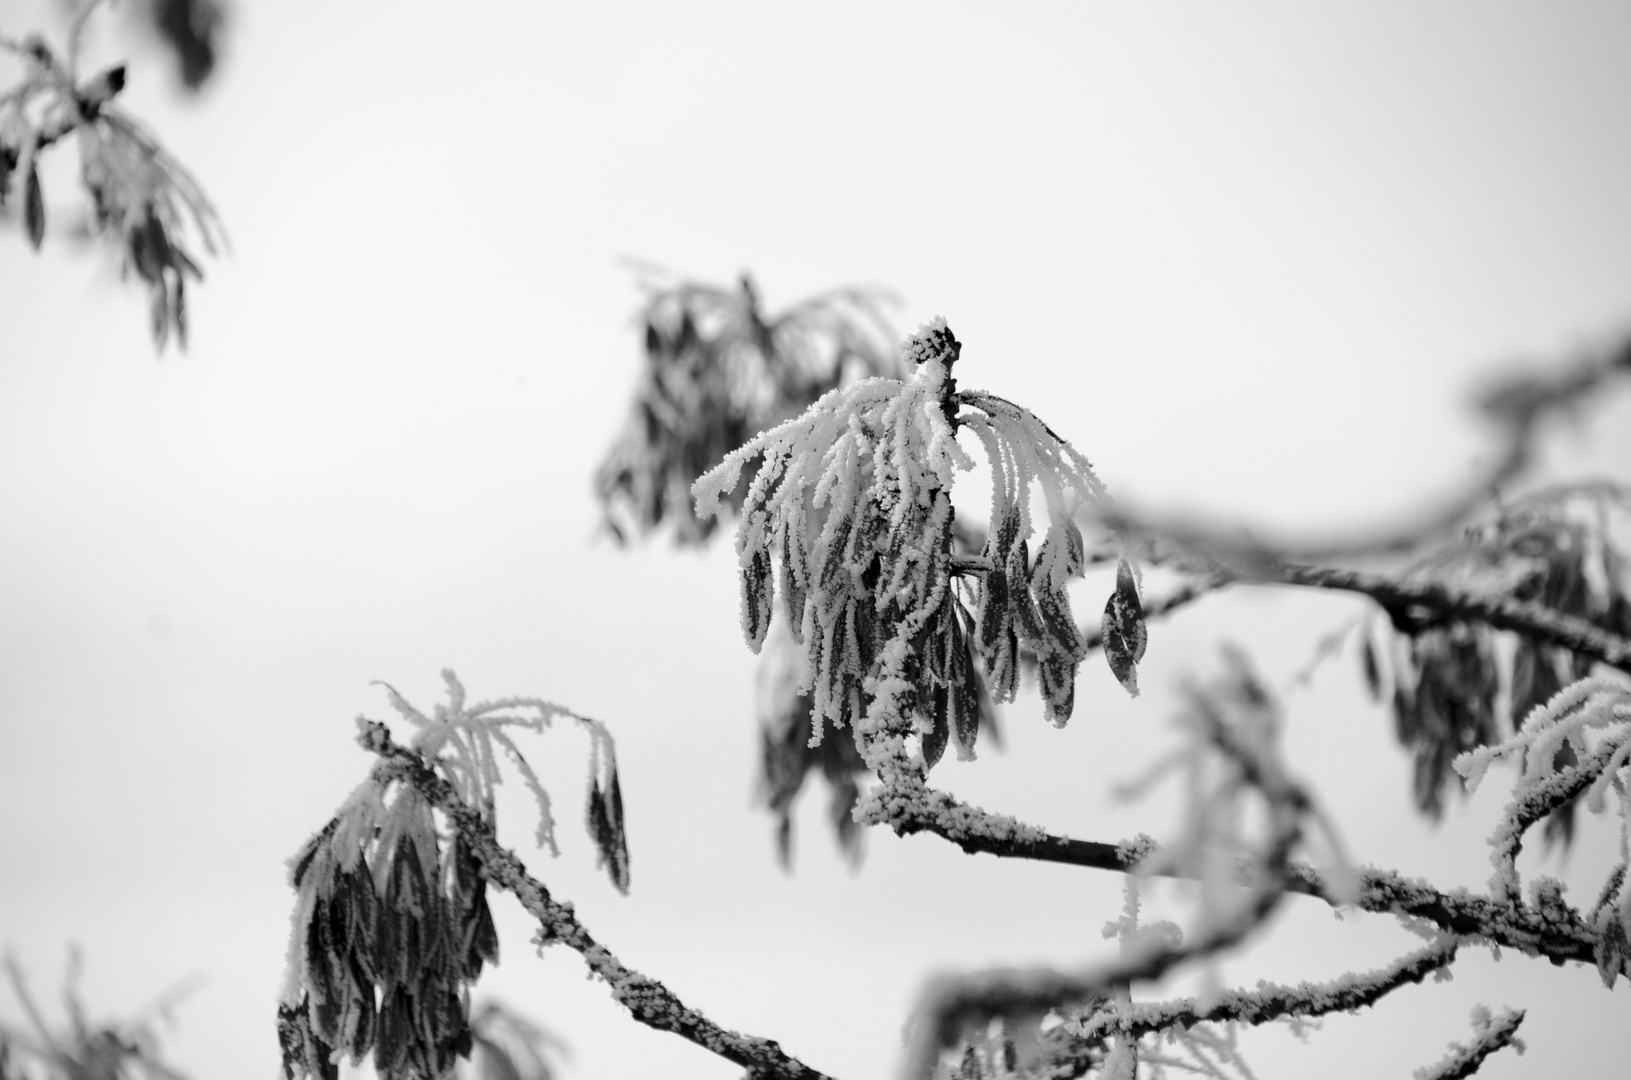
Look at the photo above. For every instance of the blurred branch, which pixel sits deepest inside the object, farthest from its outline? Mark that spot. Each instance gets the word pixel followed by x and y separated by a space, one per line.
pixel 646 999
pixel 1413 606
pixel 1517 405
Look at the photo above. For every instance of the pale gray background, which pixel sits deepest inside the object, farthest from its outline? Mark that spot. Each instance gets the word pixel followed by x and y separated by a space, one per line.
pixel 1250 258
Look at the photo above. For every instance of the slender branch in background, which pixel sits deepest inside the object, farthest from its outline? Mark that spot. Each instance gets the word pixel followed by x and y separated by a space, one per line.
pixel 646 999
pixel 1517 405
pixel 1414 606
pixel 1493 1033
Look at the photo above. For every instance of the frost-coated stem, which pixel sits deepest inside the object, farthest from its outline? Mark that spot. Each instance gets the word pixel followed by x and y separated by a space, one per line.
pixel 1269 1001
pixel 1463 1061
pixel 646 999
pixel 1536 801
pixel 1560 936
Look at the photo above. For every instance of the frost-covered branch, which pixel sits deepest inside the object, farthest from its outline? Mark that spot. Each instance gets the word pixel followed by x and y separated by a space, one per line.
pixel 1563 936
pixel 1490 1034
pixel 1128 1020
pixel 646 999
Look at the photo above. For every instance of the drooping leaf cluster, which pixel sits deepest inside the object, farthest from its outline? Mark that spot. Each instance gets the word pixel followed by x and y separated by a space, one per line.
pixel 787 756
pixel 1445 679
pixel 143 201
pixel 391 927
pixel 390 931
pixel 718 370
pixel 852 503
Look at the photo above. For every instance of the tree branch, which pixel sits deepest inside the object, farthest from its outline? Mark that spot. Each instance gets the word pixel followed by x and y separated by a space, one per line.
pixel 1267 1003
pixel 1401 600
pixel 645 998
pixel 1494 1034
pixel 1560 935
pixel 1517 405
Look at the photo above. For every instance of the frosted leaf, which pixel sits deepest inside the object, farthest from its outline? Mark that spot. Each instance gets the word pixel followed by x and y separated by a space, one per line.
pixel 1123 629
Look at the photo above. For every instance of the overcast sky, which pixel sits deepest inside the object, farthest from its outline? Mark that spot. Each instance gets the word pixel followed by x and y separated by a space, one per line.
pixel 1250 258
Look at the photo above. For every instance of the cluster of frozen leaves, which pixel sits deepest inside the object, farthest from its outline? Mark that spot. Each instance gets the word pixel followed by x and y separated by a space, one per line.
pixel 788 757
pixel 82 1049
pixel 718 370
pixel 1591 721
pixel 390 930
pixel 143 202
pixel 849 518
pixel 1444 679
pixel 391 926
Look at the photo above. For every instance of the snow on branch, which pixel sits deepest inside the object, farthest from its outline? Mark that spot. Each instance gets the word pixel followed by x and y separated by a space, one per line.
pixel 646 999
pixel 1590 718
pixel 1265 1003
pixel 1491 1033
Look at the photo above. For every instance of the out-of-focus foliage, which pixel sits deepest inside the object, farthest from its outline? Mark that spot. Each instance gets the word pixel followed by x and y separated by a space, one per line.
pixel 717 371
pixel 82 1050
pixel 1457 686
pixel 508 1046
pixel 192 30
pixel 144 204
